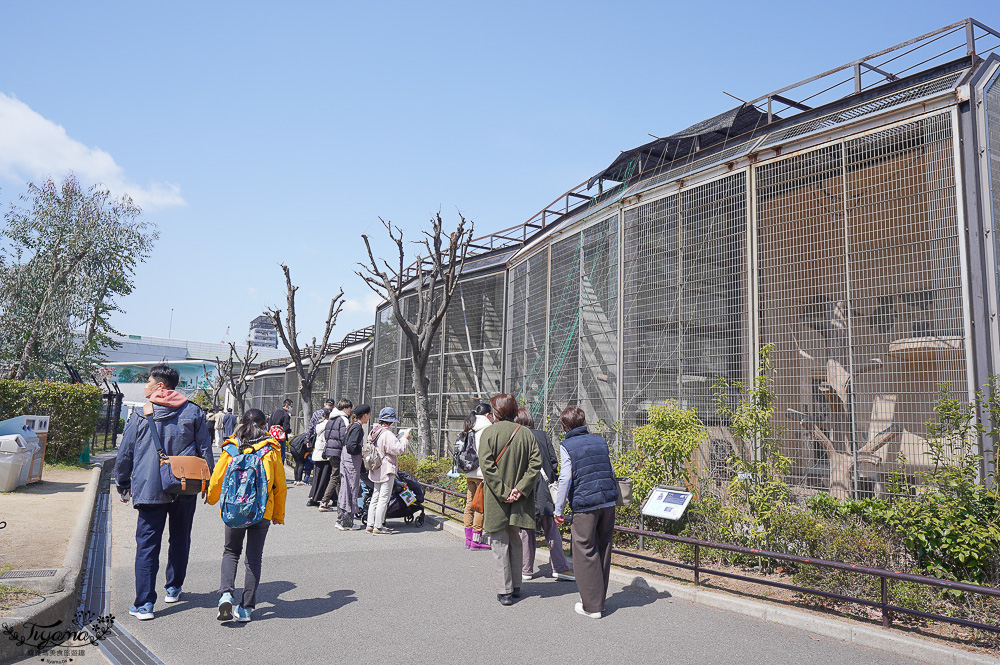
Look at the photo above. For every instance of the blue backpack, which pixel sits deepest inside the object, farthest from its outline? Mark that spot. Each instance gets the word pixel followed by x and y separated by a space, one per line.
pixel 244 487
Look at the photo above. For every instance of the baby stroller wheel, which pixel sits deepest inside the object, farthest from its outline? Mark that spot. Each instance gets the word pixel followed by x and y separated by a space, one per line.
pixel 408 519
pixel 420 520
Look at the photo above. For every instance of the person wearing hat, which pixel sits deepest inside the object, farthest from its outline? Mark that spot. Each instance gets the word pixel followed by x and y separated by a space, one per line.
pixel 351 464
pixel 385 475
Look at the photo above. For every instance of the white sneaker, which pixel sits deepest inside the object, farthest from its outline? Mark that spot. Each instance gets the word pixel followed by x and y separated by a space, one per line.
pixel 592 615
pixel 564 575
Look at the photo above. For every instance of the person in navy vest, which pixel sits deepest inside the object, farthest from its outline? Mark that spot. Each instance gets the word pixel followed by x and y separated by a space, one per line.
pixel 587 482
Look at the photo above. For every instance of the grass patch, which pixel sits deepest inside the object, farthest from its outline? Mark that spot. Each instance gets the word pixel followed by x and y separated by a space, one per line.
pixel 12 596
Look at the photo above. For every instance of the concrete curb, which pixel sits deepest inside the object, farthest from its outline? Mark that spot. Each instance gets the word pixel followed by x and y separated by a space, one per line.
pixel 875 638
pixel 59 603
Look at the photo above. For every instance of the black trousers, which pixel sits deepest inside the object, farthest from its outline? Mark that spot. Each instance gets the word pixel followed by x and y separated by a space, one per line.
pixel 321 476
pixel 255 536
pixel 300 461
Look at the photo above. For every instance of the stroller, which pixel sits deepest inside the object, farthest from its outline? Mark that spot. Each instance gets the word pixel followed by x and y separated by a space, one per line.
pixel 397 508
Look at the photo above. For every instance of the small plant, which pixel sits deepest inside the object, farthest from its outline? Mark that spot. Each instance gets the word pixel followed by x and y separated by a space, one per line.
pixel 661 453
pixel 952 522
pixel 757 467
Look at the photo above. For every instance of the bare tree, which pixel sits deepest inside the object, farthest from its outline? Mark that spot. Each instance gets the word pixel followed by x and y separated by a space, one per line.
pixel 237 383
pixel 307 361
pixel 218 381
pixel 434 278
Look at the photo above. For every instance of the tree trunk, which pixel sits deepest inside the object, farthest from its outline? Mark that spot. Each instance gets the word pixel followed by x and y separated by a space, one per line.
pixel 305 404
pixel 421 384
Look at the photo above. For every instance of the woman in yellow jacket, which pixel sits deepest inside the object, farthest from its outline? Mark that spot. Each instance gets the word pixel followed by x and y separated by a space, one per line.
pixel 250 432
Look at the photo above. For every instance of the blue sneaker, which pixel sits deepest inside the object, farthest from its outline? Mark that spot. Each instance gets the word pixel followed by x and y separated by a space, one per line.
pixel 243 614
pixel 226 607
pixel 143 612
pixel 173 594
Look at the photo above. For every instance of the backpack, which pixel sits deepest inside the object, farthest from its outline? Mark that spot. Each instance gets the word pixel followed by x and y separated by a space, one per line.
pixel 370 452
pixel 244 487
pixel 466 459
pixel 299 445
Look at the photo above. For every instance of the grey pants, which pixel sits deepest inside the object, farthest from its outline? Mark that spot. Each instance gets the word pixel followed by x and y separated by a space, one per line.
pixel 350 487
pixel 554 540
pixel 255 536
pixel 506 546
pixel 591 538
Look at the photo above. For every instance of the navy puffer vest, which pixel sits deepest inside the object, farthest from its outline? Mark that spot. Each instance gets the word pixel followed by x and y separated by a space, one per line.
pixel 593 481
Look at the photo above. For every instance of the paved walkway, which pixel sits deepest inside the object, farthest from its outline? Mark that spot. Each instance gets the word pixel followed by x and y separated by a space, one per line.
pixel 420 597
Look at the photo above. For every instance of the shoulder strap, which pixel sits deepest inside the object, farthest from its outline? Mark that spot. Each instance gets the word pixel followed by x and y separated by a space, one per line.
pixel 147 410
pixel 508 442
pixel 231 449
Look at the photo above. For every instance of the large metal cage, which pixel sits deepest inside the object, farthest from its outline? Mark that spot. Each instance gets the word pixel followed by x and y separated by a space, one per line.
pixel 852 227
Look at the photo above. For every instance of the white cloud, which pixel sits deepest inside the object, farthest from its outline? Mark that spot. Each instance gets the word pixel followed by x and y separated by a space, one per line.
pixel 33 147
pixel 366 305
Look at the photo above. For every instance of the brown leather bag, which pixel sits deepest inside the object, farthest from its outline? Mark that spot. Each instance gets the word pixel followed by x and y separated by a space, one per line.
pixel 179 474
pixel 477 498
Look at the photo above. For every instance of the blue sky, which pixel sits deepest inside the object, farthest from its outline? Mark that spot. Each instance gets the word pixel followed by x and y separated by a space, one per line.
pixel 259 133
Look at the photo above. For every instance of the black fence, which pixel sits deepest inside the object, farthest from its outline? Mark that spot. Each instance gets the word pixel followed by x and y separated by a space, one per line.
pixel 884 603
pixel 106 435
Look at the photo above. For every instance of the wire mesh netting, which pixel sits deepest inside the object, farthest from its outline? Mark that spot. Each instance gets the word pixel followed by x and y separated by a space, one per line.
pixel 684 299
pixel 860 291
pixel 993 152
pixel 464 366
pixel 347 372
pixel 563 327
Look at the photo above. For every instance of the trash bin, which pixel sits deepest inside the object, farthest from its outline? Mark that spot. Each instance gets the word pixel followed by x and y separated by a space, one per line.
pixel 33 429
pixel 14 454
pixel 34 456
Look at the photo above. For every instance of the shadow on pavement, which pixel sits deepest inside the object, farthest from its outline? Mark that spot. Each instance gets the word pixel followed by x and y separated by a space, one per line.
pixel 633 596
pixel 304 608
pixel 267 593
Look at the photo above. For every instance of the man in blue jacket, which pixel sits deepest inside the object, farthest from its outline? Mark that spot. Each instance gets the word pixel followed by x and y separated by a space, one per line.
pixel 183 431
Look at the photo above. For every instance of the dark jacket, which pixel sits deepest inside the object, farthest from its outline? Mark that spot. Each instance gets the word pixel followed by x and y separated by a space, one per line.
pixel 183 431
pixel 543 499
pixel 336 432
pixel 228 424
pixel 593 479
pixel 354 439
pixel 282 419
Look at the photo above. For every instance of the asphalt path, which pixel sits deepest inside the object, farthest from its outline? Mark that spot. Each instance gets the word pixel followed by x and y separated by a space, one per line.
pixel 420 597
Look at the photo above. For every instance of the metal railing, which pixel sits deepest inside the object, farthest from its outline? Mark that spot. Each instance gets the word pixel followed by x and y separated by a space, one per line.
pixel 887 609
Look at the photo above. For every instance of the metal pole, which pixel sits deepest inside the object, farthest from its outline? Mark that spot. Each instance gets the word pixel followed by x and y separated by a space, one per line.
pixel 886 617
pixel 642 527
pixel 697 565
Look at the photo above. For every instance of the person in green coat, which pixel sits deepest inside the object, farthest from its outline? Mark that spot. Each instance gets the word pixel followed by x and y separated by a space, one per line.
pixel 510 461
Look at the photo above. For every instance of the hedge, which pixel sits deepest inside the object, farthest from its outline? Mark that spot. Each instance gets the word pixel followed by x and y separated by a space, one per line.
pixel 73 409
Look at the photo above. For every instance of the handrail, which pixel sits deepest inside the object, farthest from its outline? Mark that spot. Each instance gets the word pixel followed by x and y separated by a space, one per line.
pixel 884 575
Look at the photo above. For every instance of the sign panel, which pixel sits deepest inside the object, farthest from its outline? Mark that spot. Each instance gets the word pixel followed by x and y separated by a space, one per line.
pixel 666 502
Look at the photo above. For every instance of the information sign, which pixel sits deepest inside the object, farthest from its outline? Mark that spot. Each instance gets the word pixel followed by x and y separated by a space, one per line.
pixel 666 502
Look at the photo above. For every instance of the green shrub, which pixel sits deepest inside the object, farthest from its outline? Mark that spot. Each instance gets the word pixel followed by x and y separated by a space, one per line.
pixel 73 409
pixel 407 462
pixel 432 469
pixel 662 454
